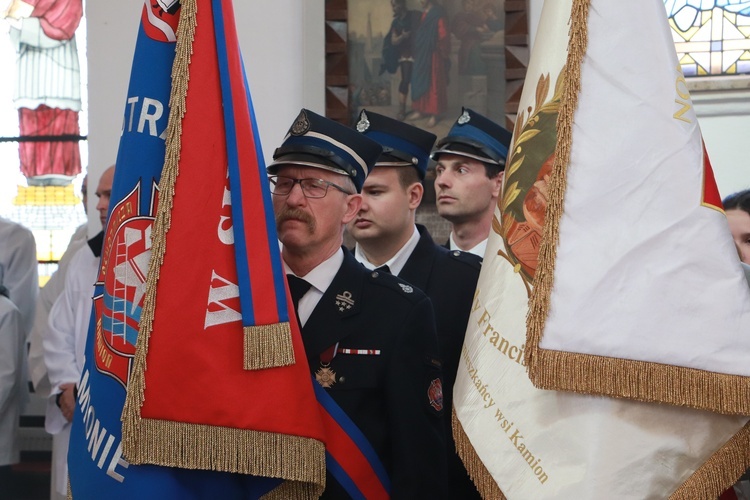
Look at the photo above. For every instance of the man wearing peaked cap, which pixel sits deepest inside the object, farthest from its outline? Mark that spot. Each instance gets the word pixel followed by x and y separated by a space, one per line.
pixel 369 337
pixel 469 178
pixel 387 235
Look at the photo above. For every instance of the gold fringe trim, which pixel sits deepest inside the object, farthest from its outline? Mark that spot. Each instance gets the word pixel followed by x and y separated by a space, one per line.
pixel 720 471
pixel 643 381
pixel 195 446
pixel 544 276
pixel 268 346
pixel 478 473
pixel 131 418
pixel 293 490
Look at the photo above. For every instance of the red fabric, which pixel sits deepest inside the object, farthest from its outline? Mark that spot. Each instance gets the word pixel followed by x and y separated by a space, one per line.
pixel 728 494
pixel 207 362
pixel 435 101
pixel 350 458
pixel 59 18
pixel 56 157
pixel 711 196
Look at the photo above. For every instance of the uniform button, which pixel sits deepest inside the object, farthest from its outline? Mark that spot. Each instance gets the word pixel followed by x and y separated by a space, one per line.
pixel 342 380
pixel 456 252
pixel 375 274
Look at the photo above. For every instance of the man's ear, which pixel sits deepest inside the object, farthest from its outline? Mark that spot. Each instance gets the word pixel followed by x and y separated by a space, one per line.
pixel 415 193
pixel 497 184
pixel 353 202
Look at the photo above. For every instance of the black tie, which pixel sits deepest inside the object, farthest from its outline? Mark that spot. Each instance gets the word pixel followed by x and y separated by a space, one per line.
pixel 297 287
pixel 383 269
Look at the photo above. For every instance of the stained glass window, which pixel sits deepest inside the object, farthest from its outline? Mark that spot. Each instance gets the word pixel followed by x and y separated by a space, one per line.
pixel 43 121
pixel 712 37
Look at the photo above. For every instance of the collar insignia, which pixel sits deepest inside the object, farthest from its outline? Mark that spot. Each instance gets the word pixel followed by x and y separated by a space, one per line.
pixel 344 301
pixel 406 288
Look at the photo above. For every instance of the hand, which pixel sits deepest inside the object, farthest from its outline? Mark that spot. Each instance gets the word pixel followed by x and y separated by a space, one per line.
pixel 15 9
pixel 67 400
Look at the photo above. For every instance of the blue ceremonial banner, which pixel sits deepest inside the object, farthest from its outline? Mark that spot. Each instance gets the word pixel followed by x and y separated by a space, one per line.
pixel 96 465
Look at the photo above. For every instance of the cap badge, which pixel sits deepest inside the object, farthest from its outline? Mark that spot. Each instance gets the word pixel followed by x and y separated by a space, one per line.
pixel 363 124
pixel 344 301
pixel 464 118
pixel 301 125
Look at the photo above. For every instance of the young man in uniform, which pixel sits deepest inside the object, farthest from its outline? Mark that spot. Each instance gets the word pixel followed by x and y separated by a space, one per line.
pixel 388 238
pixel 469 177
pixel 369 337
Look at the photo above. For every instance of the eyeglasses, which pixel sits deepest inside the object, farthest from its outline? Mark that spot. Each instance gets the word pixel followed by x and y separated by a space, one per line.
pixel 311 188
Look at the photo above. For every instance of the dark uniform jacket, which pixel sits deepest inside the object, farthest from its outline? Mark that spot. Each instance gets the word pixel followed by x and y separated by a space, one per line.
pixel 388 396
pixel 449 278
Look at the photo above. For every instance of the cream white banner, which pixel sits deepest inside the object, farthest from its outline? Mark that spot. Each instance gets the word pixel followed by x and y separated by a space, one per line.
pixel 645 254
pixel 534 443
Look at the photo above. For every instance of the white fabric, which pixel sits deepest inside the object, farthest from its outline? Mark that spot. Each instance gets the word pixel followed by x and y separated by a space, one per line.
pixel 12 390
pixel 659 269
pixel 18 269
pixel 320 278
pixel 64 347
pixel 47 296
pixel 556 445
pixel 478 249
pixel 398 261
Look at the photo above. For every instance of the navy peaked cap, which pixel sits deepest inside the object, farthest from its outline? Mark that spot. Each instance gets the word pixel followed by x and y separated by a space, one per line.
pixel 477 137
pixel 404 145
pixel 316 141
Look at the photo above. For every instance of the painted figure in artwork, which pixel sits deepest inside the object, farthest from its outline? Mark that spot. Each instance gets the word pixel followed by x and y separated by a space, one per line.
pixel 429 83
pixel 48 86
pixel 398 49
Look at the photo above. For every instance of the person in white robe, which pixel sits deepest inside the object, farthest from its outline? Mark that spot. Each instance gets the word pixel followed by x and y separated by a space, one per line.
pixel 12 393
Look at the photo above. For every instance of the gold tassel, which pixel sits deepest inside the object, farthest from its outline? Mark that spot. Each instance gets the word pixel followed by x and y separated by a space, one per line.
pixel 207 447
pixel 478 473
pixel 721 471
pixel 268 346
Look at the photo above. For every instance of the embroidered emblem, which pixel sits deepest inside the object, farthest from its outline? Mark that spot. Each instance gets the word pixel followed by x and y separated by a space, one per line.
pixel 301 125
pixel 327 377
pixel 123 271
pixel 363 124
pixel 406 288
pixel 435 394
pixel 344 301
pixel 464 118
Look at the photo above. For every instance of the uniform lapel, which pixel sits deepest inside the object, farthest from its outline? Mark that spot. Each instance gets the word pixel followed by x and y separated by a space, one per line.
pixel 417 269
pixel 341 300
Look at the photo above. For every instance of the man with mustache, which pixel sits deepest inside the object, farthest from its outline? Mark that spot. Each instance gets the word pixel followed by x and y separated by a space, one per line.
pixel 469 177
pixel 388 238
pixel 369 337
